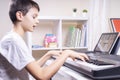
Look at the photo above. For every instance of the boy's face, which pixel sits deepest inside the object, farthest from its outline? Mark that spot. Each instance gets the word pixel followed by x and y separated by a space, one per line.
pixel 30 20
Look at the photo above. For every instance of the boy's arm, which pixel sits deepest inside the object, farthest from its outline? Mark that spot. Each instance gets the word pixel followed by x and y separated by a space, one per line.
pixel 48 55
pixel 45 73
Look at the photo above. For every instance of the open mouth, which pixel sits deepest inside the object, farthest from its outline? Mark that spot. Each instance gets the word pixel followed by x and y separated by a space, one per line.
pixel 34 26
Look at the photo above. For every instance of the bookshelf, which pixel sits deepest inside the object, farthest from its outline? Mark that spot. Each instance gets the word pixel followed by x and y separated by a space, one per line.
pixel 60 27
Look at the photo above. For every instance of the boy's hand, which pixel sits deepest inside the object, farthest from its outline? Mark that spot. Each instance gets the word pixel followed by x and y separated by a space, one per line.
pixel 74 55
pixel 54 53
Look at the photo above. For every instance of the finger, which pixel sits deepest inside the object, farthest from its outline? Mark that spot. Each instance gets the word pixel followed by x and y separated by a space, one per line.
pixel 82 58
pixel 72 57
pixel 60 52
pixel 85 56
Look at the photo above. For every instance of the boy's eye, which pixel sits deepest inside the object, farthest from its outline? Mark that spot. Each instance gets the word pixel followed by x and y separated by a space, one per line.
pixel 34 16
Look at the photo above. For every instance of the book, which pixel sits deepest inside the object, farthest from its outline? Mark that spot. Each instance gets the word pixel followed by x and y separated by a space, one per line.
pixel 70 37
pixel 83 36
pixel 50 40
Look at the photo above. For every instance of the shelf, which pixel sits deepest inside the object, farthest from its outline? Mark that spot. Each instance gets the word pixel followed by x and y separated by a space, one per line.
pixel 35 49
pixel 74 48
pixel 45 49
pixel 59 26
pixel 61 18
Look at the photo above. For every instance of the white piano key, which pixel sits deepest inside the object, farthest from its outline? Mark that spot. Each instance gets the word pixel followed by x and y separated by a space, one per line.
pixel 89 66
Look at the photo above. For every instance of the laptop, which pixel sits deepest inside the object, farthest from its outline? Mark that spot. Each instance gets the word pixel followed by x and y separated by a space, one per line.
pixel 116 48
pixel 105 43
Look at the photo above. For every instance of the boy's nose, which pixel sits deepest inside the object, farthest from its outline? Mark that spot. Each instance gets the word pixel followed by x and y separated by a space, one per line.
pixel 37 21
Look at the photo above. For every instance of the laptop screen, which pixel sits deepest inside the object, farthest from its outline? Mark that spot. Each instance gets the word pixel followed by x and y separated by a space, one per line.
pixel 106 42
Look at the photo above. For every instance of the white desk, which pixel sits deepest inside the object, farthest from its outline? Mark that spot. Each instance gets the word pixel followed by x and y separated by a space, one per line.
pixel 67 74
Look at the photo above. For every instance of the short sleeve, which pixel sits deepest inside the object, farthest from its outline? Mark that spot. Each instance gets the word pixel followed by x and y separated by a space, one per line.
pixel 16 52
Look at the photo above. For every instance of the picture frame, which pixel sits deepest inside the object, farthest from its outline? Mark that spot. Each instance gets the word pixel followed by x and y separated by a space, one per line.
pixel 115 22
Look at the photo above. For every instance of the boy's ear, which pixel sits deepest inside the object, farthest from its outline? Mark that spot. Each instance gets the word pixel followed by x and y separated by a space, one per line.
pixel 19 15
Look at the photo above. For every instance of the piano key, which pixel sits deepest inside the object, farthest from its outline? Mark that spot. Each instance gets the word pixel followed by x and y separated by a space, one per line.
pixel 90 66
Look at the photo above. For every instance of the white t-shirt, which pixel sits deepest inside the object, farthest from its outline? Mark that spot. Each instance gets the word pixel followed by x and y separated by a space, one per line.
pixel 14 56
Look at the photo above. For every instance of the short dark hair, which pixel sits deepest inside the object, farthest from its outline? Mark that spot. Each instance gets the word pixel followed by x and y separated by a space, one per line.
pixel 21 5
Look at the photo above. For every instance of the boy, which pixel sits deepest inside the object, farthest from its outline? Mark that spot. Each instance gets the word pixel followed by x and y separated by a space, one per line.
pixel 16 60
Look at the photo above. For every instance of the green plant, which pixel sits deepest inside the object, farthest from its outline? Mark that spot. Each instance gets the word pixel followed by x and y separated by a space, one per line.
pixel 85 10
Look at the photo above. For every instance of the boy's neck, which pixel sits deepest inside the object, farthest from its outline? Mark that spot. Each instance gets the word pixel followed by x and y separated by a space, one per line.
pixel 18 29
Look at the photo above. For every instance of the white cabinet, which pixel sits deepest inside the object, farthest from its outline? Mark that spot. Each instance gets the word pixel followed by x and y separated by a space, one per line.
pixel 60 27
